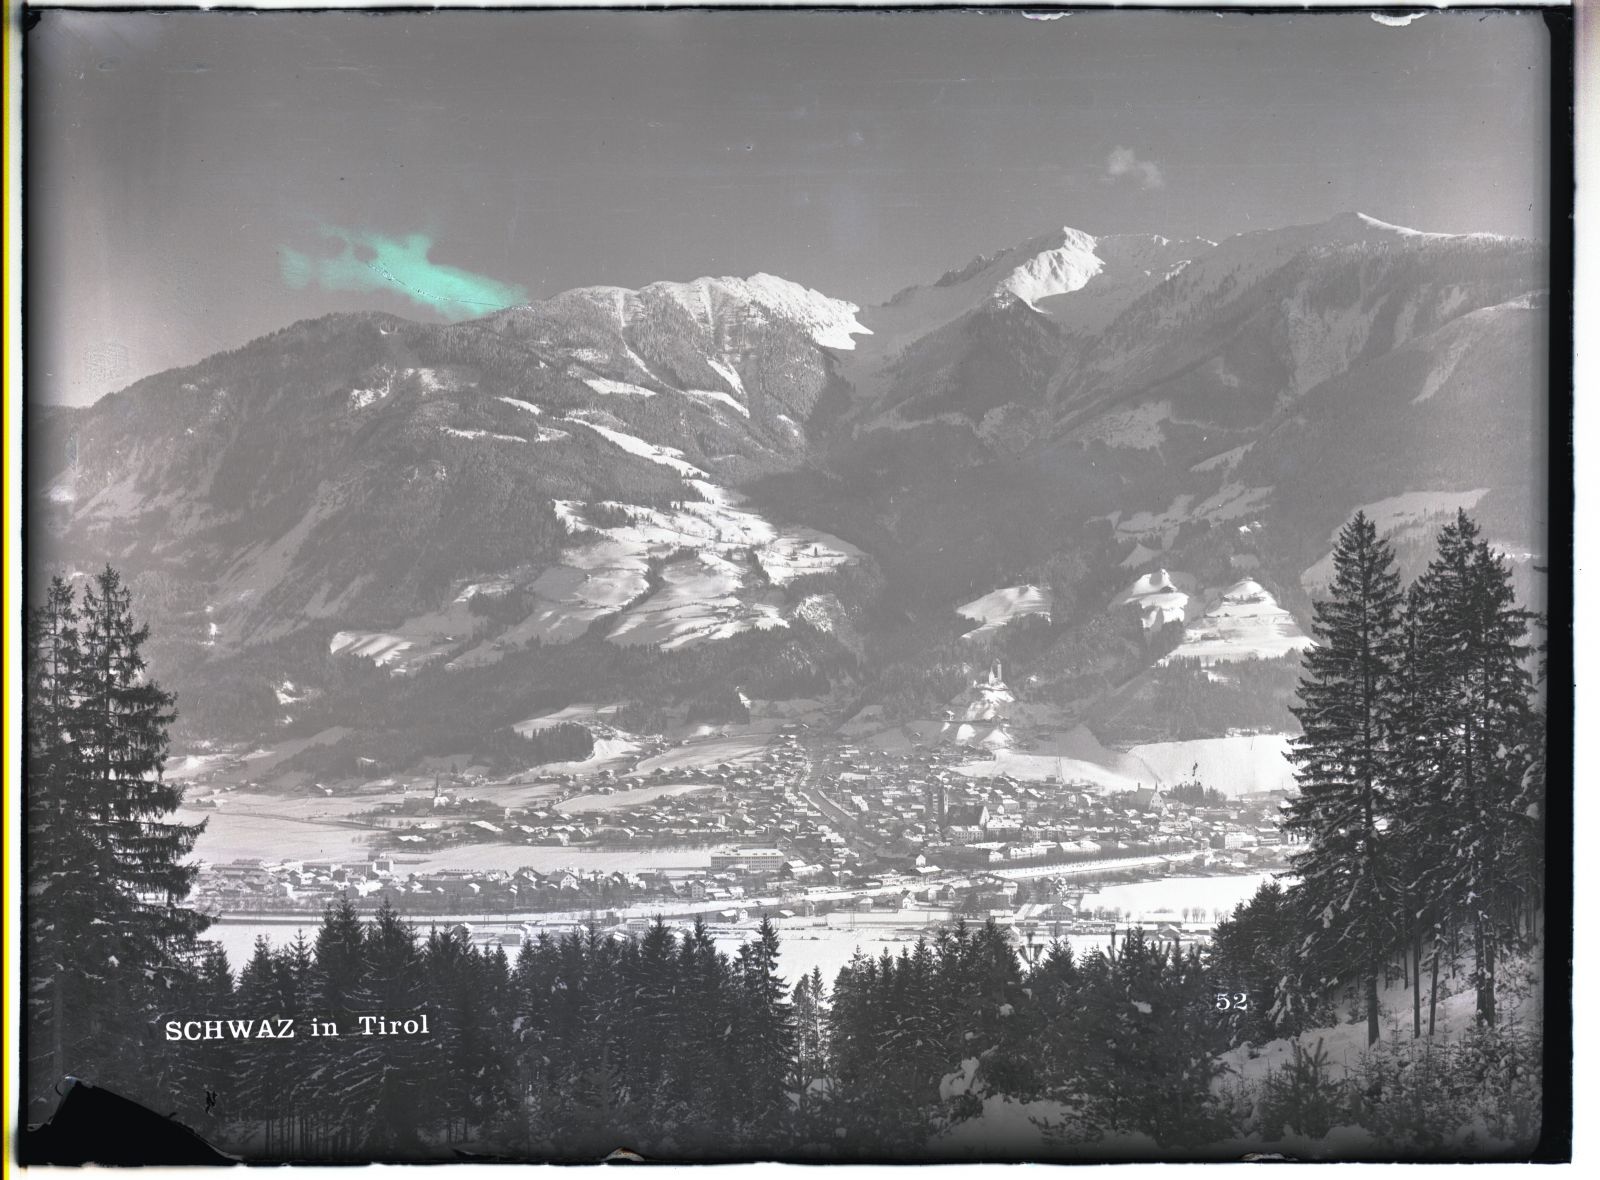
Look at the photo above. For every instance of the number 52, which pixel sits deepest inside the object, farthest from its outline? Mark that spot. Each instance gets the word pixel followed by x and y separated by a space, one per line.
pixel 1230 1002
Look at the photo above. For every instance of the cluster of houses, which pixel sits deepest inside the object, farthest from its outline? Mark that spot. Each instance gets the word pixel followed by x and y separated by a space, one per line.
pixel 917 805
pixel 863 829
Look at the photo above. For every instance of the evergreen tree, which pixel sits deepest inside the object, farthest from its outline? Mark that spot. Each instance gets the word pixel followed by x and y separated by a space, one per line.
pixel 1348 890
pixel 810 1027
pixel 60 853
pixel 765 1027
pixel 1255 951
pixel 374 1086
pixel 1422 809
pixel 113 945
pixel 1481 745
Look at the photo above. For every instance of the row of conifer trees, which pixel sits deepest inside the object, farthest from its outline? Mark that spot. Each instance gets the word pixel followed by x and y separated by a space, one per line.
pixel 1421 772
pixel 660 1044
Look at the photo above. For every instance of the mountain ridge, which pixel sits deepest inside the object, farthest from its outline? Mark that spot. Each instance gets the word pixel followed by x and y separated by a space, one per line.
pixel 716 465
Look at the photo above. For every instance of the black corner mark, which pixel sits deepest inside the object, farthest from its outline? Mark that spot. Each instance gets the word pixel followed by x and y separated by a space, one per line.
pixel 99 1126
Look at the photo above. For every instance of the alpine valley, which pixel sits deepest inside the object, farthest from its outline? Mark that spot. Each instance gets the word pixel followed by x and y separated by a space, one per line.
pixel 736 507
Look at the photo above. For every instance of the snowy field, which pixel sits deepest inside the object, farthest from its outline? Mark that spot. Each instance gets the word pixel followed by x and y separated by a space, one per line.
pixel 235 835
pixel 1247 623
pixel 1166 898
pixel 1039 767
pixel 698 755
pixel 997 608
pixel 635 798
pixel 1160 597
pixel 699 603
pixel 1398 517
pixel 580 714
pixel 610 753
pixel 1238 765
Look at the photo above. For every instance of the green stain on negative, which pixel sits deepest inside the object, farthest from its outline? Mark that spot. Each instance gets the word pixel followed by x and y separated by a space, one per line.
pixel 372 262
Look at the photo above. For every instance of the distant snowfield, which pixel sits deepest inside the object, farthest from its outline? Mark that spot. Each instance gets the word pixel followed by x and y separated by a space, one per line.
pixel 715 594
pixel 382 648
pixel 615 754
pixel 699 603
pixel 579 714
pixel 190 765
pixel 605 385
pixel 1405 516
pixel 1037 768
pixel 625 799
pixel 669 457
pixel 997 608
pixel 707 753
pixel 1246 624
pixel 1242 764
pixel 723 399
pixel 454 432
pixel 1159 597
pixel 1225 459
pixel 1236 765
pixel 1166 898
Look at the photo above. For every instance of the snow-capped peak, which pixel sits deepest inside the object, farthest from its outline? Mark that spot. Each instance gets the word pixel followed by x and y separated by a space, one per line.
pixel 831 322
pixel 711 301
pixel 1078 279
pixel 1059 270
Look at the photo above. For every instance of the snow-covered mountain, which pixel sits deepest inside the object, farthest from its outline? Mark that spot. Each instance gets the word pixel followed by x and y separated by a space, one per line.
pixel 1284 309
pixel 580 454
pixel 1287 375
pixel 690 462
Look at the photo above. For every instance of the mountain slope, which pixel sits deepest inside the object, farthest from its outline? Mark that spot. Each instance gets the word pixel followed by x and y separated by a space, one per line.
pixel 692 468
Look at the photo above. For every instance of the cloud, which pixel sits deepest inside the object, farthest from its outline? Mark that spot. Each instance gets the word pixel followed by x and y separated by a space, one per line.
pixel 1397 22
pixel 1123 162
pixel 372 262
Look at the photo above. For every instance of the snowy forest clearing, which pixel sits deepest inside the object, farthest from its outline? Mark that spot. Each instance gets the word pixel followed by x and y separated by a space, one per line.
pixel 1345 1042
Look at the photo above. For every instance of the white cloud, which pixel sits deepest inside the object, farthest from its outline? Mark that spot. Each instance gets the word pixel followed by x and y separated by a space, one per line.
pixel 1124 162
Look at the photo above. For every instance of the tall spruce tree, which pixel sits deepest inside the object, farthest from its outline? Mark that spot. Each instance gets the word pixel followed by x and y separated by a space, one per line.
pixel 1348 889
pixel 1481 752
pixel 765 1025
pixel 112 943
pixel 58 847
pixel 1421 808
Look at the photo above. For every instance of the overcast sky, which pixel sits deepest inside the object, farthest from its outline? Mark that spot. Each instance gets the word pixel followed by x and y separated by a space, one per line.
pixel 198 179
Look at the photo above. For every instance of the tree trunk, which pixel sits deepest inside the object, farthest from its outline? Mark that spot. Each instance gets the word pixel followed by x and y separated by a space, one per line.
pixel 1372 1004
pixel 1433 995
pixel 1485 949
pixel 57 1049
pixel 1416 986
